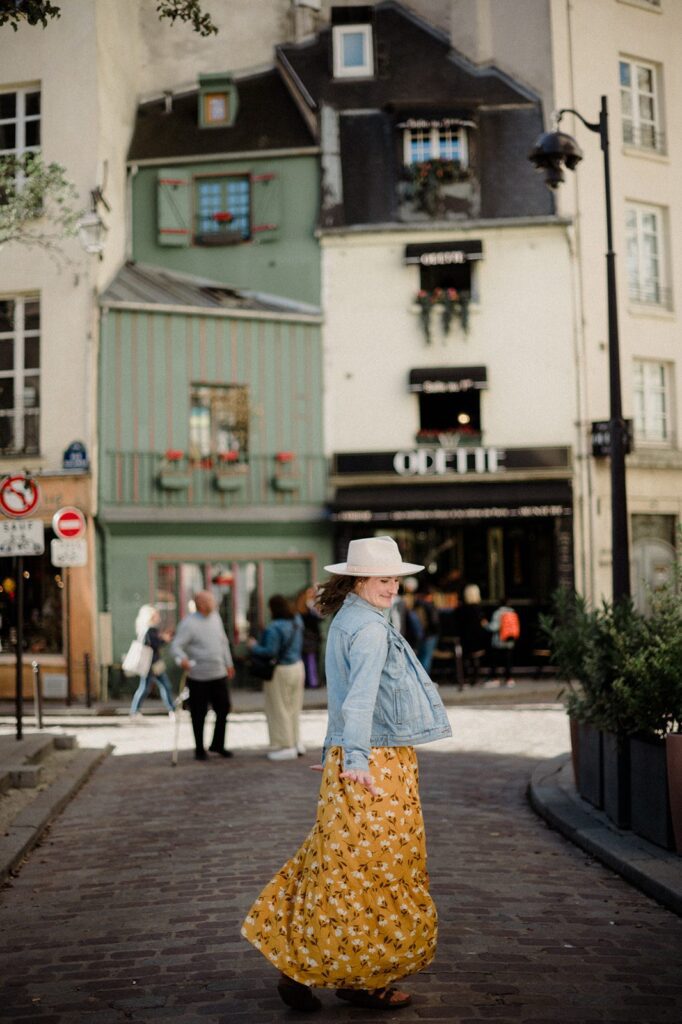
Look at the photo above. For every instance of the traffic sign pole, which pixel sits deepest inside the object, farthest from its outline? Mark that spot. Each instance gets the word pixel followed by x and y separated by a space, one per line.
pixel 20 645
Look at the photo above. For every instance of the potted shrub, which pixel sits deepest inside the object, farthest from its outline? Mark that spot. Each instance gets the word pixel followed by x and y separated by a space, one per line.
pixel 624 671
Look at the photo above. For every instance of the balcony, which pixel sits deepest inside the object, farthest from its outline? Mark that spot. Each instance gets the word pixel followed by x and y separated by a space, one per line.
pixel 174 481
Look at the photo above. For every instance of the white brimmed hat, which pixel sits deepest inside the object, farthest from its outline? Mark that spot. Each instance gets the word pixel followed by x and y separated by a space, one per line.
pixel 374 556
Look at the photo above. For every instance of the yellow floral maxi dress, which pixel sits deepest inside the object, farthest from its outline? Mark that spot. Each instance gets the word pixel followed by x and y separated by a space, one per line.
pixel 352 908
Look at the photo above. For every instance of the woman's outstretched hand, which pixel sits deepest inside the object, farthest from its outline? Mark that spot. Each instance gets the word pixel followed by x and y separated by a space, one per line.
pixel 364 778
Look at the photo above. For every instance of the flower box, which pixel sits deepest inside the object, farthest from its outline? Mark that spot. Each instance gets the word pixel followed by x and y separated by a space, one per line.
pixel 173 480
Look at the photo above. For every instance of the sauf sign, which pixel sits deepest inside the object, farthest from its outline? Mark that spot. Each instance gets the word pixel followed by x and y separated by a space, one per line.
pixel 438 461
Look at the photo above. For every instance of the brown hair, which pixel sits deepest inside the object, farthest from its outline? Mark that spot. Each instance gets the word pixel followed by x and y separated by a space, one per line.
pixel 332 594
pixel 280 608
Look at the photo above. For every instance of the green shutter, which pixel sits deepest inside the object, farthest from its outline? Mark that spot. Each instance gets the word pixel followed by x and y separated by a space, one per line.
pixel 267 207
pixel 174 207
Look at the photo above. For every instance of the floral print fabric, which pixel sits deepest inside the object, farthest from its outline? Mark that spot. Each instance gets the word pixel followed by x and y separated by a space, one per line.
pixel 352 908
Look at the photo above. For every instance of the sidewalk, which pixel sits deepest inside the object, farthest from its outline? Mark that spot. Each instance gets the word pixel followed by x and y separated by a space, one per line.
pixel 656 872
pixel 130 908
pixel 525 690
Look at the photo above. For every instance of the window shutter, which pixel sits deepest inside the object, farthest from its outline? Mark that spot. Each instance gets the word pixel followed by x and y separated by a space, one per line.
pixel 267 207
pixel 173 207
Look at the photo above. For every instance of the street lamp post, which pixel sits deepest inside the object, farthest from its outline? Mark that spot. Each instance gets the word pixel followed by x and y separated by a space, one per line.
pixel 552 150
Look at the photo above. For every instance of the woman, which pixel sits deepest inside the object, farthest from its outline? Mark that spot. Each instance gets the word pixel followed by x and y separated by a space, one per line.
pixel 474 638
pixel 305 606
pixel 352 910
pixel 283 639
pixel 146 628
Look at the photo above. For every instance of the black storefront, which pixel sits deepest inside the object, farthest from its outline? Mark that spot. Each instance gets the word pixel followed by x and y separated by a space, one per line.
pixel 499 518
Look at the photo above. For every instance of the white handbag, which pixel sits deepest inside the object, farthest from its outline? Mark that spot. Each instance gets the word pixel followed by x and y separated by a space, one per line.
pixel 138 660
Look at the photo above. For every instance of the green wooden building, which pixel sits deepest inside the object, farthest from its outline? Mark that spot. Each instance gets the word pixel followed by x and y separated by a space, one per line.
pixel 212 471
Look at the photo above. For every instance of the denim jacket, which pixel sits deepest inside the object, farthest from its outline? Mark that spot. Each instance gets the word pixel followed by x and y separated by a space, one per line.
pixel 378 693
pixel 282 639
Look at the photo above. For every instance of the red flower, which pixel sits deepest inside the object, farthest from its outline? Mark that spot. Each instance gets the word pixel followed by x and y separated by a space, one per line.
pixel 223 217
pixel 437 294
pixel 453 294
pixel 231 456
pixel 284 457
pixel 174 455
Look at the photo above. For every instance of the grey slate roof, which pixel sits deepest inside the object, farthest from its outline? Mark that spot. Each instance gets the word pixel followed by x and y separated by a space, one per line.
pixel 417 74
pixel 415 68
pixel 141 284
pixel 267 119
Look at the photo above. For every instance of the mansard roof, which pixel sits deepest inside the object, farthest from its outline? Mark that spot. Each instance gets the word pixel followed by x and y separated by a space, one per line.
pixel 416 68
pixel 267 119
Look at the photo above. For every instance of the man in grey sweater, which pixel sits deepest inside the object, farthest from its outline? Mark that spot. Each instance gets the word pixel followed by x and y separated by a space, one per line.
pixel 201 648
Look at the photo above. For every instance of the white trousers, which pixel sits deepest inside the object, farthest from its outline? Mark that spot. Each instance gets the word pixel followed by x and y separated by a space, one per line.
pixel 283 704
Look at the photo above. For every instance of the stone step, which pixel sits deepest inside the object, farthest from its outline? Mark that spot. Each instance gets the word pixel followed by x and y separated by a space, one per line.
pixel 26 776
pixel 29 750
pixel 65 742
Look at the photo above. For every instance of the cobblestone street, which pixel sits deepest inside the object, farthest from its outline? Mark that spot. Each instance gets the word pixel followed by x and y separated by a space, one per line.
pixel 131 906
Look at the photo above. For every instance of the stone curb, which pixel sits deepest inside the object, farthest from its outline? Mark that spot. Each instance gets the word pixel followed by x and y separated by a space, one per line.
pixel 553 796
pixel 30 824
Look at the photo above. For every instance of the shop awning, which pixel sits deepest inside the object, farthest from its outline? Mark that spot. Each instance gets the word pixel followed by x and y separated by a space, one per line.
pixel 434 380
pixel 441 254
pixel 463 502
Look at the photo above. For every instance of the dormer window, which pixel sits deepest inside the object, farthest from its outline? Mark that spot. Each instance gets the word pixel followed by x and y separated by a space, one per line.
pixel 353 53
pixel 442 139
pixel 216 107
pixel 218 100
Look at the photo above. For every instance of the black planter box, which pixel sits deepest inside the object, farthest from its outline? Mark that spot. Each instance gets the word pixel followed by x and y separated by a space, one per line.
pixel 616 778
pixel 590 780
pixel 649 805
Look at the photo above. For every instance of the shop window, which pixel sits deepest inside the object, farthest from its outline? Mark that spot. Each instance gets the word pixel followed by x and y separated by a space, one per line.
pixel 235 586
pixel 43 589
pixel 456 415
pixel 219 421
pixel 20 376
pixel 223 210
pixel 20 121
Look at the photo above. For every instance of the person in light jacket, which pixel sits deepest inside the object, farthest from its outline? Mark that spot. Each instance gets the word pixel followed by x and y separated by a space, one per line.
pixel 351 910
pixel 201 648
pixel 283 639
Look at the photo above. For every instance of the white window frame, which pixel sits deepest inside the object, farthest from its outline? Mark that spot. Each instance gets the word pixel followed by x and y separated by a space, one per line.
pixel 652 401
pixel 21 119
pixel 365 70
pixel 434 144
pixel 653 292
pixel 635 121
pixel 19 373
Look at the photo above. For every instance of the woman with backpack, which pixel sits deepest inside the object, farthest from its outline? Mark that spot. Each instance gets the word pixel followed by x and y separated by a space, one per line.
pixel 283 639
pixel 505 628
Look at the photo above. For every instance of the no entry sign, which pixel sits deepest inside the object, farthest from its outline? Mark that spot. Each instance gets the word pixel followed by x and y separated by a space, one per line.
pixel 68 523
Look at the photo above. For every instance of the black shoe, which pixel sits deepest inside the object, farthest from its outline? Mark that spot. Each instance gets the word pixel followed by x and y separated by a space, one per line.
pixel 223 752
pixel 200 755
pixel 297 996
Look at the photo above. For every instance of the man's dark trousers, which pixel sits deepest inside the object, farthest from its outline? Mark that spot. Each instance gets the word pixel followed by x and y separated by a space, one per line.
pixel 203 692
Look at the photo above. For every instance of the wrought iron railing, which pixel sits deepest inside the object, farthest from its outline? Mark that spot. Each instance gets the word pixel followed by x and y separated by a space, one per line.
pixel 151 479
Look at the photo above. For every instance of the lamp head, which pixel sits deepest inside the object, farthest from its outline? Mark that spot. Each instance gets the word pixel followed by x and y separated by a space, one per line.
pixel 553 151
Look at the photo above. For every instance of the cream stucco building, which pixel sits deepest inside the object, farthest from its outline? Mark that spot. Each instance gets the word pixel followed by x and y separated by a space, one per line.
pixel 573 52
pixel 71 90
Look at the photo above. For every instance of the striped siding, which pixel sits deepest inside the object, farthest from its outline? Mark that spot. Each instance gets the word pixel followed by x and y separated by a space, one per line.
pixel 148 363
